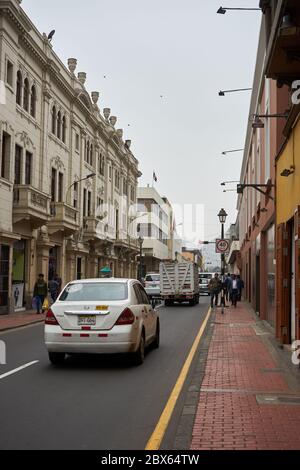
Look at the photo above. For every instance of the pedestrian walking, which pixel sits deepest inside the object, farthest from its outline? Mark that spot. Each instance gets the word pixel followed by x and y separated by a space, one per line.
pixel 234 290
pixel 40 292
pixel 215 286
pixel 59 282
pixel 241 286
pixel 53 287
pixel 227 283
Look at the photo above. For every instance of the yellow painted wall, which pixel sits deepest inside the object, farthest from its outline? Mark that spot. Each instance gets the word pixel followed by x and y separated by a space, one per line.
pixel 288 188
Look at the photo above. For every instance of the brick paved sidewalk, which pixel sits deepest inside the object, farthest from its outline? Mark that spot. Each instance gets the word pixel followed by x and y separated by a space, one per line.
pixel 242 377
pixel 16 320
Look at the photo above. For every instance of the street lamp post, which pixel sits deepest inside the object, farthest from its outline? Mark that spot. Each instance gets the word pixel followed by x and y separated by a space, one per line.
pixel 222 10
pixel 78 181
pixel 141 241
pixel 222 217
pixel 224 92
pixel 232 151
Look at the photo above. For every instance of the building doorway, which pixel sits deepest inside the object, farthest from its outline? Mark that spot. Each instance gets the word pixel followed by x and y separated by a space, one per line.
pixel 292 318
pixel 4 278
pixel 79 268
pixel 257 285
pixel 53 262
pixel 18 274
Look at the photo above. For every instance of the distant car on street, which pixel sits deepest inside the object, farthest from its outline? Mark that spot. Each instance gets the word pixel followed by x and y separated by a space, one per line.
pixel 204 279
pixel 152 285
pixel 101 316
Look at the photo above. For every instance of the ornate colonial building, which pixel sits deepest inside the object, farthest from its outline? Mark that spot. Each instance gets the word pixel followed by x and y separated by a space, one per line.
pixel 66 175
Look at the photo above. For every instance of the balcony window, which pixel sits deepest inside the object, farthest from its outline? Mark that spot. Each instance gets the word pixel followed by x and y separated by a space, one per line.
pixel 84 202
pixel 64 129
pixel 59 123
pixel 19 88
pixel 33 101
pixel 53 184
pixel 54 117
pixel 75 196
pixel 18 164
pixel 26 95
pixel 5 156
pixel 28 168
pixel 60 186
pixel 77 142
pixel 89 204
pixel 9 73
pixel 91 155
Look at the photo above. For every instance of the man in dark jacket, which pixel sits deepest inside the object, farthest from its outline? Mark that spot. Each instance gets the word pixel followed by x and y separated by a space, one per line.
pixel 53 286
pixel 215 286
pixel 40 292
pixel 241 286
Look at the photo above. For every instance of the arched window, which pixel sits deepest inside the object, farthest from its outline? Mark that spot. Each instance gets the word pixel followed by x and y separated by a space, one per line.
pixel 54 116
pixel 64 129
pixel 19 88
pixel 26 95
pixel 33 101
pixel 58 125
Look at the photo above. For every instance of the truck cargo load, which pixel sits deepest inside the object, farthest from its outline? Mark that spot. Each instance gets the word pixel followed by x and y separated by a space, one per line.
pixel 179 282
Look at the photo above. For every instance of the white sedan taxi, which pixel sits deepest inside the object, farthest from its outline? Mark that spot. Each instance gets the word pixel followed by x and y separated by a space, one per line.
pixel 101 316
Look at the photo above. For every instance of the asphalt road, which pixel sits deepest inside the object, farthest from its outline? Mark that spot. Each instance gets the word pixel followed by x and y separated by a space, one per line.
pixel 92 402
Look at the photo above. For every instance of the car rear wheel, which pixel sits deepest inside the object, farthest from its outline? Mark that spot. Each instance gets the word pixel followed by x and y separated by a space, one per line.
pixel 157 336
pixel 56 358
pixel 139 355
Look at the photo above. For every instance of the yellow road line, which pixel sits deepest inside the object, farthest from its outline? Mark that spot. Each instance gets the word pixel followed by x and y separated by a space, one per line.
pixel 159 432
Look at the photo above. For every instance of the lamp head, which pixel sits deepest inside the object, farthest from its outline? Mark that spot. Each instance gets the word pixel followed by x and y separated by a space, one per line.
pixel 221 11
pixel 222 216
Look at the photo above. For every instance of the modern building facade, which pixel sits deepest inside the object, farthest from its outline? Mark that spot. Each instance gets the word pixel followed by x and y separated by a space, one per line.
pixel 157 228
pixel 66 175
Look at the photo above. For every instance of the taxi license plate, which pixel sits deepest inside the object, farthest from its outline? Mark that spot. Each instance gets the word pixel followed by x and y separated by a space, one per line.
pixel 87 320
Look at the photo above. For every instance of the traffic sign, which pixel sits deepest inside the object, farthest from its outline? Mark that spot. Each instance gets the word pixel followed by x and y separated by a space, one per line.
pixel 222 246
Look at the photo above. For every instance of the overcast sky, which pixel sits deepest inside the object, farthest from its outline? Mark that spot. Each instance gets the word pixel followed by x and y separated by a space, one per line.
pixel 183 51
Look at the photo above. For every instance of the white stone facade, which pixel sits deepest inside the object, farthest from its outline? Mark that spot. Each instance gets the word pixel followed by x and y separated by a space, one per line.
pixel 52 137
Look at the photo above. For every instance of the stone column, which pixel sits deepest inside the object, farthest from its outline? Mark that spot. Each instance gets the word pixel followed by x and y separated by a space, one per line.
pixel 92 266
pixel 70 272
pixel 43 258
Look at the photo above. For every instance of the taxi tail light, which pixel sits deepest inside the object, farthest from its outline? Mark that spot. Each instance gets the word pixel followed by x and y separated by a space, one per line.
pixel 50 318
pixel 126 317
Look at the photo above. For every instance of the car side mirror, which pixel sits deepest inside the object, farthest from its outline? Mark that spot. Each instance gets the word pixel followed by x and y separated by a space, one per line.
pixel 153 303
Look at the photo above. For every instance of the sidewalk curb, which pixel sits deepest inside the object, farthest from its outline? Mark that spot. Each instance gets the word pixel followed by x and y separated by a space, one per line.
pixel 11 328
pixel 183 436
pixel 189 418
